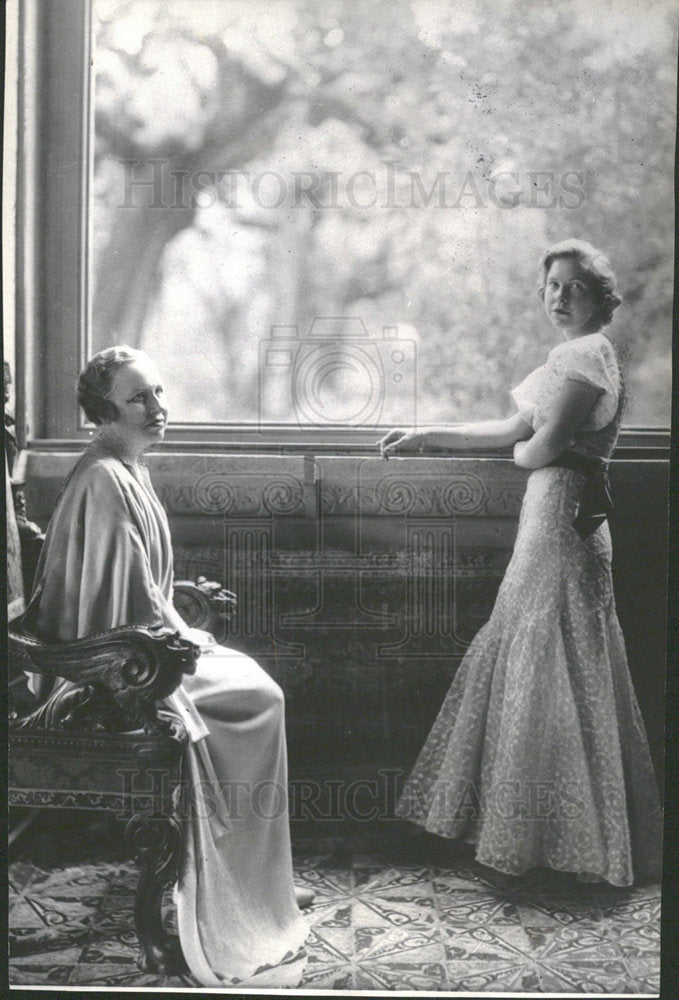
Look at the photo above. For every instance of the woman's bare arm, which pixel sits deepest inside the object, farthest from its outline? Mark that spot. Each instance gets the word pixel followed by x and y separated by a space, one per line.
pixel 465 437
pixel 568 415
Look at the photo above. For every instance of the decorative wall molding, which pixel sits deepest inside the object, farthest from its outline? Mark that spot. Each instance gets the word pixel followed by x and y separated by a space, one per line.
pixel 468 562
pixel 255 495
pixel 312 487
pixel 464 495
pixel 219 493
pixel 398 494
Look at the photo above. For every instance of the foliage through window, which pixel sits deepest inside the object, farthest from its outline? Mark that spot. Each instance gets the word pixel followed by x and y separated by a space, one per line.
pixel 315 213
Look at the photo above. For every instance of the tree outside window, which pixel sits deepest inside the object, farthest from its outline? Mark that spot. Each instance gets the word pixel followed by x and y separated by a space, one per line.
pixel 315 213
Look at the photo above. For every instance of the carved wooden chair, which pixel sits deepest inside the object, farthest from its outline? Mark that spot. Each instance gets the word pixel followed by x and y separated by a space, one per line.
pixel 102 743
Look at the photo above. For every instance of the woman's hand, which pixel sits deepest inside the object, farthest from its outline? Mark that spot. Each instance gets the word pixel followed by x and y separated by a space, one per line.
pixel 485 434
pixel 519 449
pixel 403 442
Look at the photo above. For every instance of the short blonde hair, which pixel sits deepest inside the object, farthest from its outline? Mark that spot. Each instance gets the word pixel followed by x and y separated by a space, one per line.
pixel 598 268
pixel 96 379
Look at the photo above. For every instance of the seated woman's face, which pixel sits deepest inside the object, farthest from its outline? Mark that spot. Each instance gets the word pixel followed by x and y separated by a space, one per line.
pixel 137 392
pixel 570 301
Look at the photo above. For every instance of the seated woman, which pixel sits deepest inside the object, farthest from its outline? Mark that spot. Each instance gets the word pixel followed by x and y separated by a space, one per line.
pixel 106 562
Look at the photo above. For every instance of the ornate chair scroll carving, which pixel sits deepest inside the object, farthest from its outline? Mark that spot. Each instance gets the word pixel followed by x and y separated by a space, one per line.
pixel 117 679
pixel 204 601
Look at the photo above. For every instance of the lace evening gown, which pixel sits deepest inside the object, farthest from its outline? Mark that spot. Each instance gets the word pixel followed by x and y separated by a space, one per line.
pixel 539 755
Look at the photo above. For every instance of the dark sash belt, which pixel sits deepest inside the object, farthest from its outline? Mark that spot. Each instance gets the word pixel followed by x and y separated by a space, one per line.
pixel 596 502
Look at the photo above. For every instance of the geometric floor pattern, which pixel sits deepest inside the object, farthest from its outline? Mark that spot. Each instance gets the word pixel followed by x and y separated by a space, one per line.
pixel 383 927
pixel 379 922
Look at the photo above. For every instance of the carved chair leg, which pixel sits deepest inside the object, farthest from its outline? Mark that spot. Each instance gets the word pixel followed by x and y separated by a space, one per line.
pixel 156 846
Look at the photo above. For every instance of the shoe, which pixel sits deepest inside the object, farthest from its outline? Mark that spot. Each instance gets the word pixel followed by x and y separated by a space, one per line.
pixel 304 897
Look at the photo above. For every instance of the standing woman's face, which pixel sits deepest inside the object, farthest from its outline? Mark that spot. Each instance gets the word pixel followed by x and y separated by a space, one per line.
pixel 569 299
pixel 137 392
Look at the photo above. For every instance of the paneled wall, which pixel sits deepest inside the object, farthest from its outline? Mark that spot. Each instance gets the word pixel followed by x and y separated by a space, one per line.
pixel 361 582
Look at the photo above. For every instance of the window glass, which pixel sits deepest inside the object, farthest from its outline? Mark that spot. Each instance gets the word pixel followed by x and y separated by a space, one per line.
pixel 317 213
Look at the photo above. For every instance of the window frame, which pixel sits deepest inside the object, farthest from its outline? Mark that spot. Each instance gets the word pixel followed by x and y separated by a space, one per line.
pixel 55 133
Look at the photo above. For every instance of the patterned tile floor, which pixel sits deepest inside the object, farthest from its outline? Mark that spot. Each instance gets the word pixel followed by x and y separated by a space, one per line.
pixel 384 918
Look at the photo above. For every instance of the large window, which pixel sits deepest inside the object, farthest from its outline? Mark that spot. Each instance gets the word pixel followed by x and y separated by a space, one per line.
pixel 314 215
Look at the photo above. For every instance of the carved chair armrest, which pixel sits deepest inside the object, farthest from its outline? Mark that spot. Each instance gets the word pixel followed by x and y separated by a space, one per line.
pixel 135 666
pixel 203 604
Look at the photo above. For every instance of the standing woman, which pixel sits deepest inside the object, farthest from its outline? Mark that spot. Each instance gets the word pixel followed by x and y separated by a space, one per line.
pixel 539 755
pixel 106 562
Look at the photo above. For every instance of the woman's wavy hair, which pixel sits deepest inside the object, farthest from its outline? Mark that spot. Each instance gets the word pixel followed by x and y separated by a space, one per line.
pixel 96 380
pixel 596 266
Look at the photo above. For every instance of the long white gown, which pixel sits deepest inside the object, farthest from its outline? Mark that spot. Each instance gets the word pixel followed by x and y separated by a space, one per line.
pixel 107 561
pixel 539 755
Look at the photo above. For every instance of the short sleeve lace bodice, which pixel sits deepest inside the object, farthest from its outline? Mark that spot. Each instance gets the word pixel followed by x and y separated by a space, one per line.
pixel 590 359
